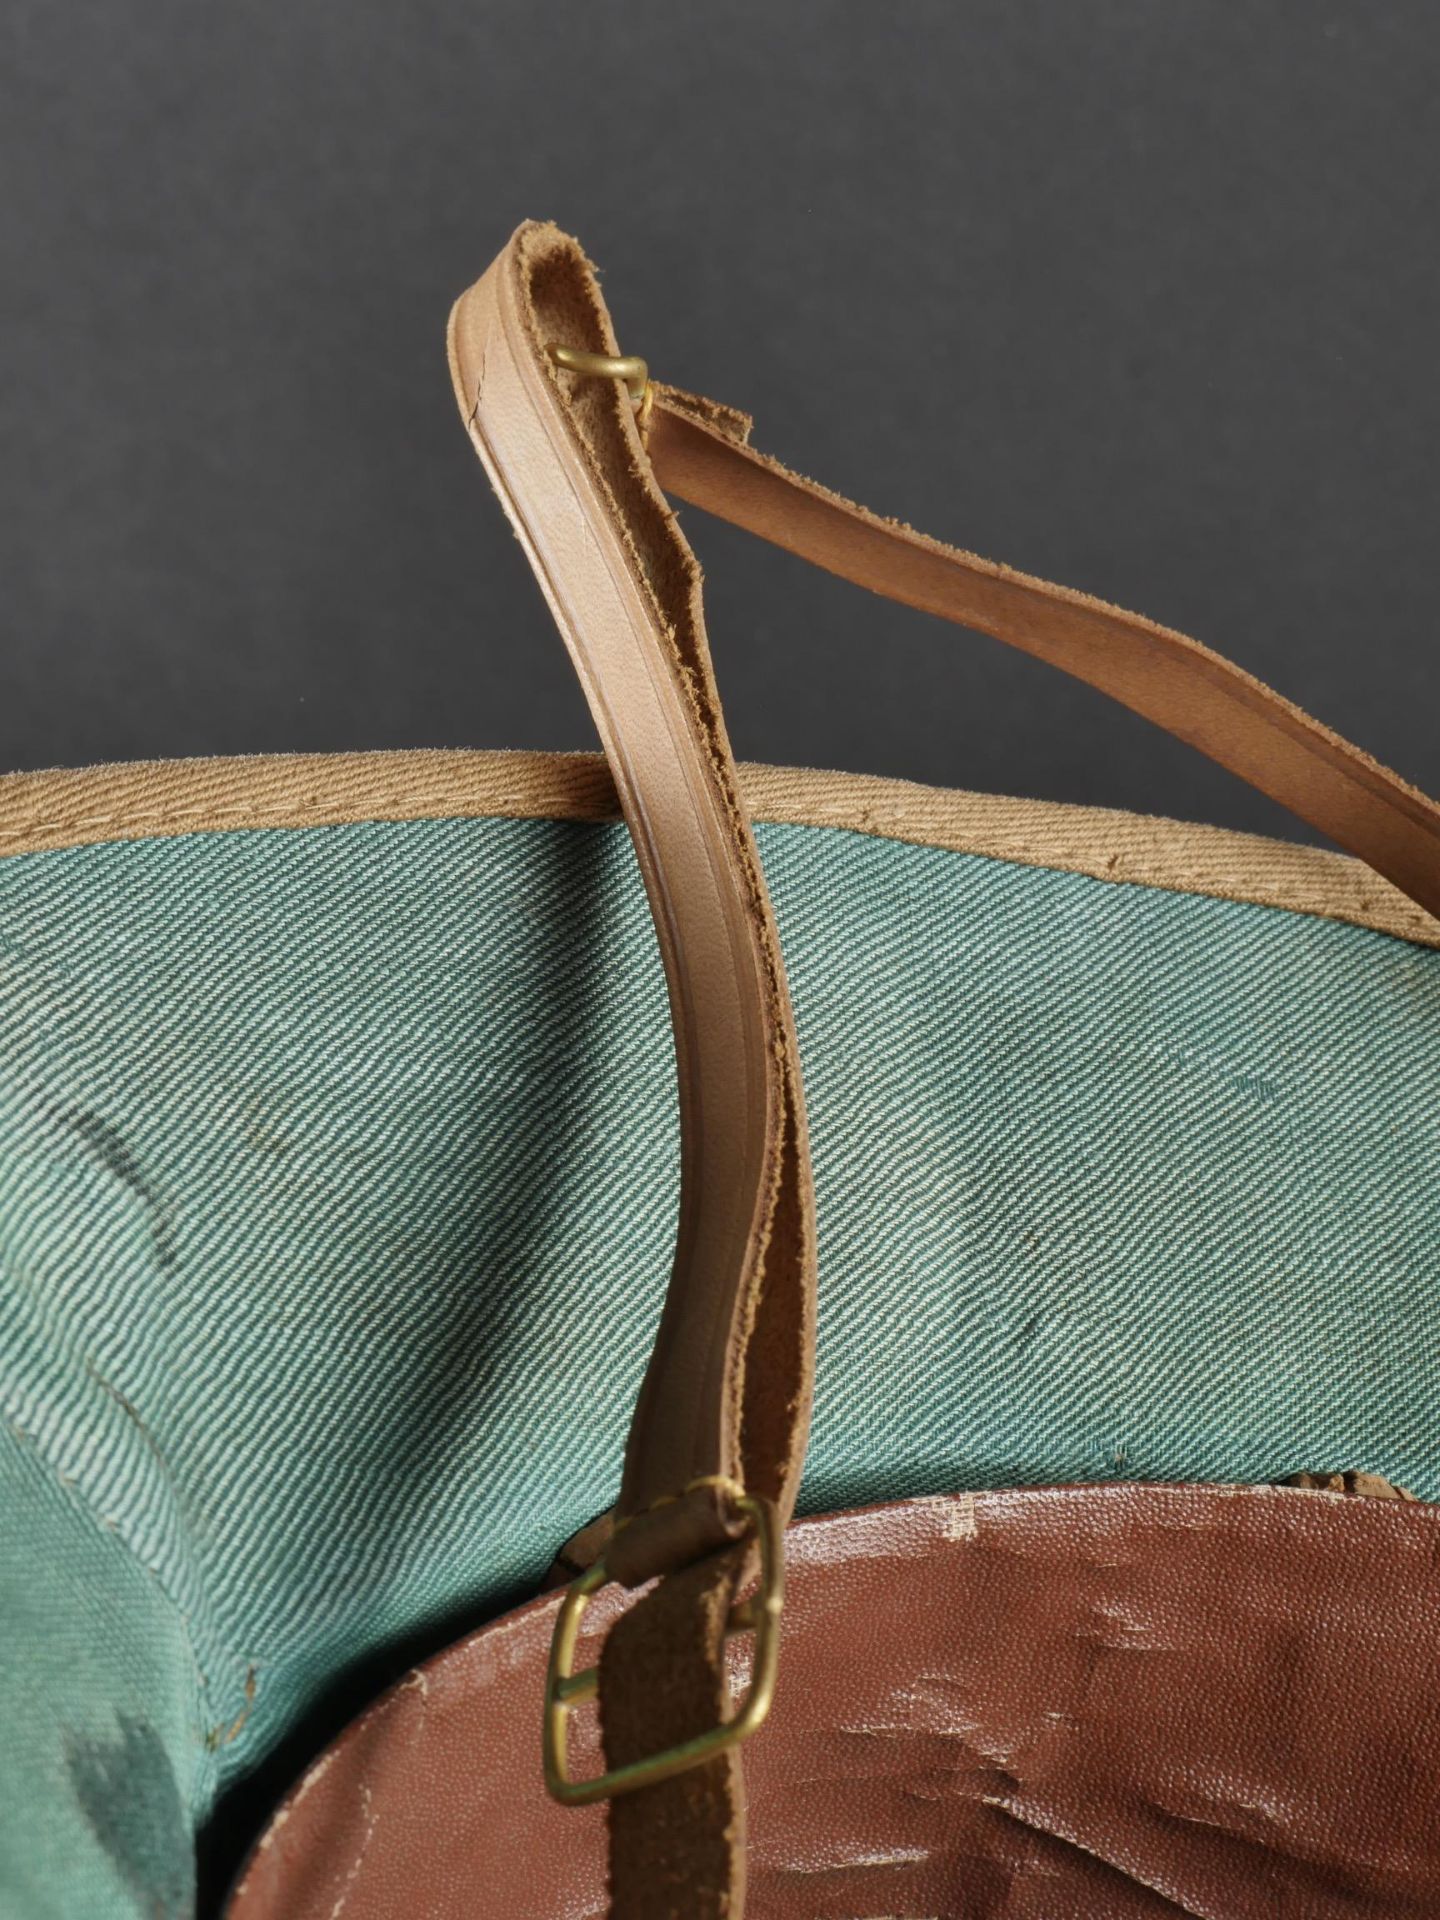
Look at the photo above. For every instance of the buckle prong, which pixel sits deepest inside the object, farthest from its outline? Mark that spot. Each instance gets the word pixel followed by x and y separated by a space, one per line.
pixel 565 1689
pixel 628 367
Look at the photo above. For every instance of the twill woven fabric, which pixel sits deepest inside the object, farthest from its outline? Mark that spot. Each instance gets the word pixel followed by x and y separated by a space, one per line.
pixel 321 1148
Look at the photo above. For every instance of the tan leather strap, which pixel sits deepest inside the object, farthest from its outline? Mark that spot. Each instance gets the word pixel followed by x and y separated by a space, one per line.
pixel 565 456
pixel 700 453
pixel 727 1391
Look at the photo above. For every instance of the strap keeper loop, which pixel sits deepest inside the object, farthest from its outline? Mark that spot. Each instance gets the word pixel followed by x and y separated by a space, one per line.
pixel 566 1689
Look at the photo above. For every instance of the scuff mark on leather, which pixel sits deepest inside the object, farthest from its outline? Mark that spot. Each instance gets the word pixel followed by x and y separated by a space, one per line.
pixel 845 1861
pixel 1034 1824
pixel 958 1513
pixel 367 1815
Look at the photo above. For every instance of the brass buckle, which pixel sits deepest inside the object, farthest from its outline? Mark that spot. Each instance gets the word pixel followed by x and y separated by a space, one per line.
pixel 566 1689
pixel 628 367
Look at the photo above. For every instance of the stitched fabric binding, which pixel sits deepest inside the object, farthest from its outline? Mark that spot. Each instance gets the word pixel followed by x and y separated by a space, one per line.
pixel 51 810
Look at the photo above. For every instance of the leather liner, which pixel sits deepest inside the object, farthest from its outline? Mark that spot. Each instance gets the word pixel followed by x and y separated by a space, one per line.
pixel 1117 1702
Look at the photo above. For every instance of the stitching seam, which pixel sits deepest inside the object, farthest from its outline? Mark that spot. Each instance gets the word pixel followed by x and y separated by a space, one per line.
pixel 873 820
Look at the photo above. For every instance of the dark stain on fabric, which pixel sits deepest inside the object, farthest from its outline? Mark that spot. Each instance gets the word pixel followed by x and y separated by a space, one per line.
pixel 263 1132
pixel 1025 1337
pixel 106 1146
pixel 126 1789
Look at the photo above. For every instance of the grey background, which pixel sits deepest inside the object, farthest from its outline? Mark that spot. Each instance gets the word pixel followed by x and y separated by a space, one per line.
pixel 1139 294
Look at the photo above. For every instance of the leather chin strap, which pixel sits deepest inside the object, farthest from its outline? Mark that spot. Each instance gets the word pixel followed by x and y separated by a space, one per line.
pixel 565 455
pixel 726 1397
pixel 700 453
